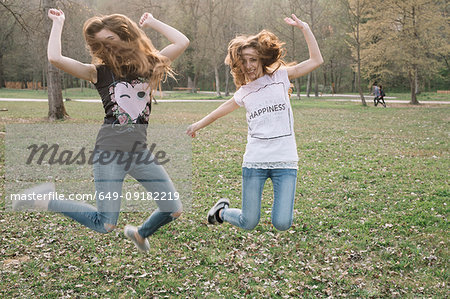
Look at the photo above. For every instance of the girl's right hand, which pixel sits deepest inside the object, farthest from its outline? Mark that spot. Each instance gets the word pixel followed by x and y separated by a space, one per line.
pixel 191 131
pixel 56 15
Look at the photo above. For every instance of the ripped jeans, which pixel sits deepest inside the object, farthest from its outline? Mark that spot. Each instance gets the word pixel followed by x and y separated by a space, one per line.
pixel 253 180
pixel 109 179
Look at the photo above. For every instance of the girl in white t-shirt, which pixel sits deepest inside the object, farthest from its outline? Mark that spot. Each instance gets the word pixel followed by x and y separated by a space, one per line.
pixel 262 79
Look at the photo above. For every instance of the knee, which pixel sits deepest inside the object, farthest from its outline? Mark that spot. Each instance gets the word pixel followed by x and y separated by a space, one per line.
pixel 177 214
pixel 109 228
pixel 250 224
pixel 282 225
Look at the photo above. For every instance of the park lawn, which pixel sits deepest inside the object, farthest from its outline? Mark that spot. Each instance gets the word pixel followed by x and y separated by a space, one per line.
pixel 85 93
pixel 370 216
pixel 88 93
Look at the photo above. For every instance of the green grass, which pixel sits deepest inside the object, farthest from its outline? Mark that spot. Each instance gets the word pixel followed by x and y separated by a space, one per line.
pixel 422 97
pixel 370 215
pixel 76 93
pixel 87 93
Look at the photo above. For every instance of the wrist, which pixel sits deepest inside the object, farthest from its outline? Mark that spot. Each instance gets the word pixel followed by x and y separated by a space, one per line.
pixel 304 28
pixel 152 23
pixel 195 127
pixel 58 23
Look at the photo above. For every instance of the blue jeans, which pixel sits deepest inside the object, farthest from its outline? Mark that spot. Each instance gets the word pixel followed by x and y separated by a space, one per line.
pixel 109 179
pixel 253 180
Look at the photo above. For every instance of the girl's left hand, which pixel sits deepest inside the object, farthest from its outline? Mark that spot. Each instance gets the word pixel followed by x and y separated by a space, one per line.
pixel 294 21
pixel 146 19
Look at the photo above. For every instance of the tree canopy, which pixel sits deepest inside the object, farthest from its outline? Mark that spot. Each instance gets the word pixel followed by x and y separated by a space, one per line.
pixel 402 44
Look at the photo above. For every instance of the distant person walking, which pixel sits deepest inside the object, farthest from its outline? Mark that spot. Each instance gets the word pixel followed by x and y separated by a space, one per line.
pixel 263 82
pixel 381 96
pixel 375 92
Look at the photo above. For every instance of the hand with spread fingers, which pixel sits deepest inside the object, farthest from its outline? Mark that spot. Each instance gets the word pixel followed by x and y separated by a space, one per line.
pixel 294 21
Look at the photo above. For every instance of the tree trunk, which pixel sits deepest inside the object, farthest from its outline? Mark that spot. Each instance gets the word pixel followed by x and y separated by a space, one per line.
pixel 308 85
pixel 316 85
pixel 353 81
pixel 194 89
pixel 217 78
pixel 332 78
pixel 191 85
pixel 2 77
pixel 44 78
pixel 358 53
pixel 227 80
pixel 297 86
pixel 413 75
pixel 358 82
pixel 337 86
pixel 412 83
pixel 56 108
pixel 416 79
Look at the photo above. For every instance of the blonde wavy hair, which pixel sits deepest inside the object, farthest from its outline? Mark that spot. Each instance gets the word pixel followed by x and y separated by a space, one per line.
pixel 134 54
pixel 270 52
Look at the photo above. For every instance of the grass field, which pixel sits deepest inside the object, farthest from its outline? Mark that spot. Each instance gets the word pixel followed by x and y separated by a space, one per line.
pixel 370 215
pixel 87 93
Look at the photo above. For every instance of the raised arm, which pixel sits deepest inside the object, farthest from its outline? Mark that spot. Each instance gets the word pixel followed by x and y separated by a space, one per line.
pixel 222 110
pixel 179 42
pixel 69 65
pixel 315 58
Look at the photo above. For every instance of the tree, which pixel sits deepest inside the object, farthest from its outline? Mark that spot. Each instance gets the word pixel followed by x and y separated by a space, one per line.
pixel 56 109
pixel 11 17
pixel 219 22
pixel 356 15
pixel 290 35
pixel 214 12
pixel 314 11
pixel 73 43
pixel 405 37
pixel 6 37
pixel 195 54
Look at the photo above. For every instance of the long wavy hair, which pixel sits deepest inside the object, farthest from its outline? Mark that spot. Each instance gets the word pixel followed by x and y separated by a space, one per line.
pixel 133 55
pixel 270 52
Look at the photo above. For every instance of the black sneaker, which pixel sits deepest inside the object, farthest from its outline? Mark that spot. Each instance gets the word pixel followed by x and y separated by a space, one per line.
pixel 213 214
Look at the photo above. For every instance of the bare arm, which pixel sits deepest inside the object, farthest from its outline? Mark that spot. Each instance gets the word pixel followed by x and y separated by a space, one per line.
pixel 69 65
pixel 179 42
pixel 222 110
pixel 315 57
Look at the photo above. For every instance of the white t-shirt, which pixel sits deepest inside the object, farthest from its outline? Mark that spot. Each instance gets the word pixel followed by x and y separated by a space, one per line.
pixel 271 137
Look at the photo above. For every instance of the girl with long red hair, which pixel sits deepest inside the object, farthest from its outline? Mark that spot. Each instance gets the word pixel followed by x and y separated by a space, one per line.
pixel 125 69
pixel 262 79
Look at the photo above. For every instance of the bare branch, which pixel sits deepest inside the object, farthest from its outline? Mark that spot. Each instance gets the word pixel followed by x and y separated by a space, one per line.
pixel 16 16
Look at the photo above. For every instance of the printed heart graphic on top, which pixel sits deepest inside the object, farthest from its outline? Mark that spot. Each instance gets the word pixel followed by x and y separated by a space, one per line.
pixel 132 99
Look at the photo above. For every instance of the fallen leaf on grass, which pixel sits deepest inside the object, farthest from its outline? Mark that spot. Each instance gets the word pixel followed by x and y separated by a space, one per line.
pixel 14 262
